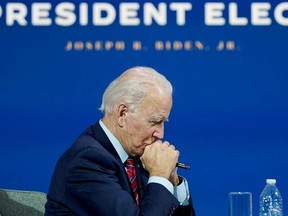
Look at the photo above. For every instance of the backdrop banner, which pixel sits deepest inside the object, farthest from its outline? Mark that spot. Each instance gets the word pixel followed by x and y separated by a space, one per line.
pixel 227 61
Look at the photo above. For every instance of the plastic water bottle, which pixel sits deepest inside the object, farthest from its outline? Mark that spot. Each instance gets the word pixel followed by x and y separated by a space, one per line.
pixel 271 200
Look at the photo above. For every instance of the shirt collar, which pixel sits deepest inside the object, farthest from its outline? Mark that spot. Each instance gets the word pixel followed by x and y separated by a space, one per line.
pixel 115 142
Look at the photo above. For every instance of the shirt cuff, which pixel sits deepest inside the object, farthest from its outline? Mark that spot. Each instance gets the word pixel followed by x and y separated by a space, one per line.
pixel 181 192
pixel 160 180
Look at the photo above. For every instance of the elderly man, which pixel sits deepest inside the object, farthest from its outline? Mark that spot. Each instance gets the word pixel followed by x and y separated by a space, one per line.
pixel 120 166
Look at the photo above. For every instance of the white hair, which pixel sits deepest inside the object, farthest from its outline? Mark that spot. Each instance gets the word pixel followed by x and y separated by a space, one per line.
pixel 132 86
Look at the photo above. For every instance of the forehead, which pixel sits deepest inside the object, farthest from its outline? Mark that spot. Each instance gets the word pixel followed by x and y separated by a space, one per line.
pixel 156 105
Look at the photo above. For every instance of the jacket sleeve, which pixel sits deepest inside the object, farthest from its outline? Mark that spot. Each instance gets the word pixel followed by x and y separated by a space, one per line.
pixel 185 210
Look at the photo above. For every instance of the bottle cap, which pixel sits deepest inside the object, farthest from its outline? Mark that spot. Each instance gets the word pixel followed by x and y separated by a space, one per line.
pixel 271 181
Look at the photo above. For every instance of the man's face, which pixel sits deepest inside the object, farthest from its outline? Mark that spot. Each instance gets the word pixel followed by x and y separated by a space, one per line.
pixel 146 125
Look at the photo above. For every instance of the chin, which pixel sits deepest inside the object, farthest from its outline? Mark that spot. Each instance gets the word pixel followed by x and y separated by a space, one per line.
pixel 139 153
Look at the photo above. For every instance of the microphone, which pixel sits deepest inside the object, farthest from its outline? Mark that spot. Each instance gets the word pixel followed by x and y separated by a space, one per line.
pixel 182 165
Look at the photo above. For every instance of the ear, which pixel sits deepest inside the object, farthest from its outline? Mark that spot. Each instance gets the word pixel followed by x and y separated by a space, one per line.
pixel 122 111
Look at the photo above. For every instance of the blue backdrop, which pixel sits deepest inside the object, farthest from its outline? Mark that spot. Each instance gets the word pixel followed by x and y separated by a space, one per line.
pixel 230 111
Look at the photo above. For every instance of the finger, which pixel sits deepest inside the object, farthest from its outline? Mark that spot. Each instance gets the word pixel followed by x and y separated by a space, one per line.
pixel 178 153
pixel 166 143
pixel 173 147
pixel 158 142
pixel 142 161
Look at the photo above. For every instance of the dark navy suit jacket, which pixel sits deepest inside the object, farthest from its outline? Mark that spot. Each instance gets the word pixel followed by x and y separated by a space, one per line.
pixel 90 179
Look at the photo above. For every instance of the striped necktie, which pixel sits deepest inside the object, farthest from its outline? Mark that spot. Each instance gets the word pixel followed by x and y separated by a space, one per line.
pixel 131 172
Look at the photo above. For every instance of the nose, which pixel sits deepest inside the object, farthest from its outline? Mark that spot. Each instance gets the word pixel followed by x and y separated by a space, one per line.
pixel 159 132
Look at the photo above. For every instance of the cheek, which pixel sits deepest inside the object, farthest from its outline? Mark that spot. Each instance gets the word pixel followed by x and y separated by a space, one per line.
pixel 140 131
pixel 136 126
pixel 147 135
pixel 142 136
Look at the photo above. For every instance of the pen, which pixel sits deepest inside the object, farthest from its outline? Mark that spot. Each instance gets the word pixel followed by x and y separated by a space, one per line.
pixel 182 165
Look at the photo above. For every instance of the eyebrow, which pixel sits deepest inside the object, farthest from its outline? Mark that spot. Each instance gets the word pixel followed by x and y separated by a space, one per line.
pixel 158 119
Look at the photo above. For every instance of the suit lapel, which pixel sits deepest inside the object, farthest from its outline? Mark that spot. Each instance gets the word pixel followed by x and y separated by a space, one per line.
pixel 142 174
pixel 101 137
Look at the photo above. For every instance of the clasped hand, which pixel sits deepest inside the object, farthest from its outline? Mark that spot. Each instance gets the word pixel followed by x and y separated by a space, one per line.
pixel 160 159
